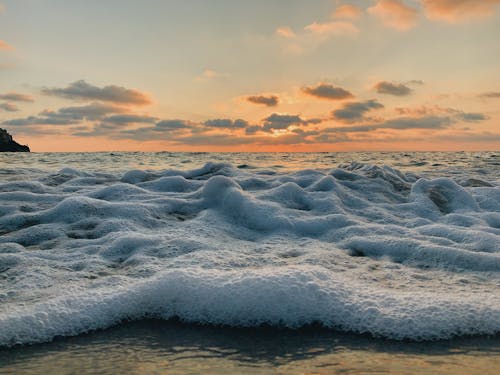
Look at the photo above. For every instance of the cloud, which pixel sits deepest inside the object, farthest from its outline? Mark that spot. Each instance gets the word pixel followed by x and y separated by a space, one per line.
pixel 455 114
pixel 401 123
pixel 226 124
pixel 425 110
pixel 355 111
pixel 389 88
pixel 126 119
pixel 334 28
pixel 285 32
pixel 283 121
pixel 490 95
pixel 92 111
pixel 459 10
pixel 5 46
pixel 211 75
pixel 269 101
pixel 81 90
pixel 115 129
pixel 327 91
pixel 253 129
pixel 473 117
pixel 173 125
pixel 16 97
pixel 395 14
pixel 9 107
pixel 68 115
pixel 347 11
pixel 46 119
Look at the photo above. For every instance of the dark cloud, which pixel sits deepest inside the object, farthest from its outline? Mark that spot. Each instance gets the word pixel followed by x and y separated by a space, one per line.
pixel 226 124
pixel 81 90
pixel 389 88
pixel 327 91
pixel 355 111
pixel 92 111
pixel 68 115
pixel 473 117
pixel 253 129
pixel 129 119
pixel 9 107
pixel 490 95
pixel 279 122
pixel 401 123
pixel 41 120
pixel 173 125
pixel 270 101
pixel 16 97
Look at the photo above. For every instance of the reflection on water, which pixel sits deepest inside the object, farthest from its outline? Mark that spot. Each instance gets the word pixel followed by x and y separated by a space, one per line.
pixel 158 347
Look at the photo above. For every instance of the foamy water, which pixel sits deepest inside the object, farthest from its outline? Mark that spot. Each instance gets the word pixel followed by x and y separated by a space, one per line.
pixel 403 246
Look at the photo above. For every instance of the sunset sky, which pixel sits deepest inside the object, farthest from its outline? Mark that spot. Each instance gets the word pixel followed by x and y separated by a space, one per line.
pixel 260 75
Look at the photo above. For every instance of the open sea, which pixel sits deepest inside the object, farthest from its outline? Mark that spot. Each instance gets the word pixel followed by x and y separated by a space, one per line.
pixel 251 263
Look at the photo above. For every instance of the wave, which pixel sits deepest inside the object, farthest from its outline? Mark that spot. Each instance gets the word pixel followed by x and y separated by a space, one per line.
pixel 360 248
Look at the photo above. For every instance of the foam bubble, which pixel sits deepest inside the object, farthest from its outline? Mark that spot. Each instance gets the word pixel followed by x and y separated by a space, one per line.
pixel 361 248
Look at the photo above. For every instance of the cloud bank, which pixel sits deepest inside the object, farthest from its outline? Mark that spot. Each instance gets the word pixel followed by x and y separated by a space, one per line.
pixel 81 90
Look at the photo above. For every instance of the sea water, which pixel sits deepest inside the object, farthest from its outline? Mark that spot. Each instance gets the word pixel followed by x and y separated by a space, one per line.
pixel 390 246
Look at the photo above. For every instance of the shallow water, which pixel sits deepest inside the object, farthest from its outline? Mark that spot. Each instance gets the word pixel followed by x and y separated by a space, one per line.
pixel 394 245
pixel 158 347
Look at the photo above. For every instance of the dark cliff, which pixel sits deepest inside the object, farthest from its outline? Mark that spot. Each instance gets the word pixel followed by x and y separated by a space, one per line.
pixel 7 144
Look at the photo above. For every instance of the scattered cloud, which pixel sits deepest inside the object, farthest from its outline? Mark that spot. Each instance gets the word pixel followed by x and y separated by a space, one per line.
pixel 267 100
pixel 16 97
pixel 5 46
pixel 390 88
pixel 395 14
pixel 333 28
pixel 347 11
pixel 9 107
pixel 327 91
pixel 81 90
pixel 459 10
pixel 355 111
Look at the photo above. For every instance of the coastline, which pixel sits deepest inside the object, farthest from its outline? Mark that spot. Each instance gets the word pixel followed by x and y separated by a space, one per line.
pixel 153 346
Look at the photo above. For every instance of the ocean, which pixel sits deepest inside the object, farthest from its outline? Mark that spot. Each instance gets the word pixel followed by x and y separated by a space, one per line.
pixel 250 262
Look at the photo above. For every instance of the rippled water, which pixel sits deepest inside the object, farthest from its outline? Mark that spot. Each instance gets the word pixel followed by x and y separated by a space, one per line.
pixel 475 164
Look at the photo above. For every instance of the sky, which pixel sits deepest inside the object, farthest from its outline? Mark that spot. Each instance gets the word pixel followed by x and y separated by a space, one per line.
pixel 260 75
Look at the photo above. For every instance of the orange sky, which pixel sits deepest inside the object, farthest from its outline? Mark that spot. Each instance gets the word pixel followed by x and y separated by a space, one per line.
pixel 292 75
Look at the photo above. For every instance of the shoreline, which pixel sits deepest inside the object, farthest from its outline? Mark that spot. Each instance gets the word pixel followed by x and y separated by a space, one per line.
pixel 155 345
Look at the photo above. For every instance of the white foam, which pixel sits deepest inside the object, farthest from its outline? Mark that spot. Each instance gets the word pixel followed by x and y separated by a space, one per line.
pixel 360 248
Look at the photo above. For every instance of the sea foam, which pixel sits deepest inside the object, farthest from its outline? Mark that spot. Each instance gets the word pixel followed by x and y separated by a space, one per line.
pixel 361 248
